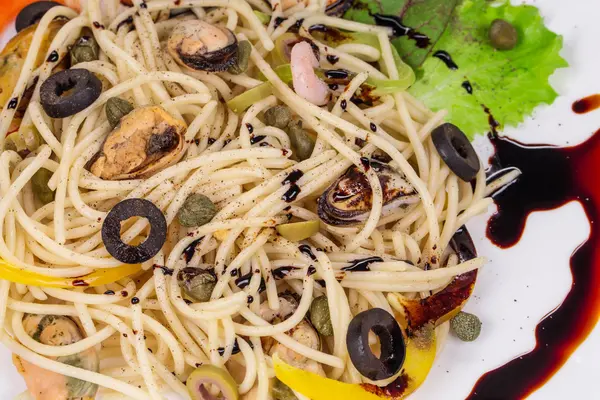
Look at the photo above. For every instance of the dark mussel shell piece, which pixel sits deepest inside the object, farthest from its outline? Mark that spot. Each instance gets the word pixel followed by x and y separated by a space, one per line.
pixel 68 92
pixel 187 44
pixel 456 151
pixel 111 231
pixel 348 200
pixel 393 347
pixel 31 14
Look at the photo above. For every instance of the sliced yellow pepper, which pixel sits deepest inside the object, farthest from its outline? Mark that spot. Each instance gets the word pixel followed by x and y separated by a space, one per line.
pixel 315 386
pixel 420 354
pixel 97 278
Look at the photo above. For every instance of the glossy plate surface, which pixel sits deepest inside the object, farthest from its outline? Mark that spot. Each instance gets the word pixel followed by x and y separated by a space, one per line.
pixel 521 285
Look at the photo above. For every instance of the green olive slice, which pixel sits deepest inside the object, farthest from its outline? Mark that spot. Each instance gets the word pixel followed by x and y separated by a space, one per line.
pixel 297 231
pixel 211 375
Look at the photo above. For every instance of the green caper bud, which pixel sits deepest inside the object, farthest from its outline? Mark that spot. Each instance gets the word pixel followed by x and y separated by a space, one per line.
pixel 278 116
pixel 281 391
pixel 320 317
pixel 85 49
pixel 197 210
pixel 243 56
pixel 465 326
pixel 197 283
pixel 302 143
pixel 117 108
pixel 503 35
pixel 39 182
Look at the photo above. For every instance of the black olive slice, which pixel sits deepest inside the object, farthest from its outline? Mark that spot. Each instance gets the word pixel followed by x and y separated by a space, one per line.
pixel 111 231
pixel 32 14
pixel 67 92
pixel 456 151
pixel 393 348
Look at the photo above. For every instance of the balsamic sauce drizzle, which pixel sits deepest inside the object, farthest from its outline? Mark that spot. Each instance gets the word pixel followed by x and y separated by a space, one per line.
pixel 446 59
pixel 362 264
pixel 551 177
pixel 421 40
pixel 467 86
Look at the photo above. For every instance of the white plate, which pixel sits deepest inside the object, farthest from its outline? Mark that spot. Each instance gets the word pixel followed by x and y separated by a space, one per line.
pixel 520 285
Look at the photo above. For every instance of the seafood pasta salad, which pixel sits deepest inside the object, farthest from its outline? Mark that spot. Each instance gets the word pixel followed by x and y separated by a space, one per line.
pixel 227 199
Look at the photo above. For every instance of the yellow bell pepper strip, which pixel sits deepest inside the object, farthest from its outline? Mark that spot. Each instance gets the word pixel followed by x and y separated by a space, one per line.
pixel 420 355
pixel 97 278
pixel 316 387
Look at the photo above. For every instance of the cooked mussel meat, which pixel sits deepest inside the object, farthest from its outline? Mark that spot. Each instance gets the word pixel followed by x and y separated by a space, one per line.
pixel 57 330
pixel 14 53
pixel 199 45
pixel 349 199
pixel 147 140
pixel 305 334
pixel 287 306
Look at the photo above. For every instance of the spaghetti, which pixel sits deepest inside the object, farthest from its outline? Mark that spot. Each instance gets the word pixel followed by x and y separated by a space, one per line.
pixel 146 329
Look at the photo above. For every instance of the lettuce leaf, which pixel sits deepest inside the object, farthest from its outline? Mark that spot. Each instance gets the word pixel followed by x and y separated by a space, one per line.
pixel 424 17
pixel 507 85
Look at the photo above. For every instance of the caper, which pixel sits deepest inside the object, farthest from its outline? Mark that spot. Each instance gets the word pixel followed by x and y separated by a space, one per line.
pixel 503 35
pixel 297 231
pixel 243 56
pixel 320 317
pixel 302 143
pixel 85 49
pixel 278 116
pixel 281 391
pixel 39 182
pixel 465 326
pixel 117 108
pixel 197 210
pixel 197 283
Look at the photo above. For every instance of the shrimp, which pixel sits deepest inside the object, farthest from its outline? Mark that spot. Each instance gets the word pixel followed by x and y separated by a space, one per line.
pixel 306 83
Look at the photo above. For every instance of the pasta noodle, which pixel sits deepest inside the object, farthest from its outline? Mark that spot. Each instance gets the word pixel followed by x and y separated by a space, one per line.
pixel 150 332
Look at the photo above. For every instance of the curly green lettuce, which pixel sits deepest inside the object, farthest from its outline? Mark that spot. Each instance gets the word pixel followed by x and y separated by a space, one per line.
pixel 507 85
pixel 426 17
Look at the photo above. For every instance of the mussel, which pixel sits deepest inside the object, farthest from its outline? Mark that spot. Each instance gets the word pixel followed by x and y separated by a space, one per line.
pixel 287 306
pixel 12 59
pixel 14 53
pixel 146 140
pixel 348 200
pixel 201 46
pixel 57 330
pixel 305 334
